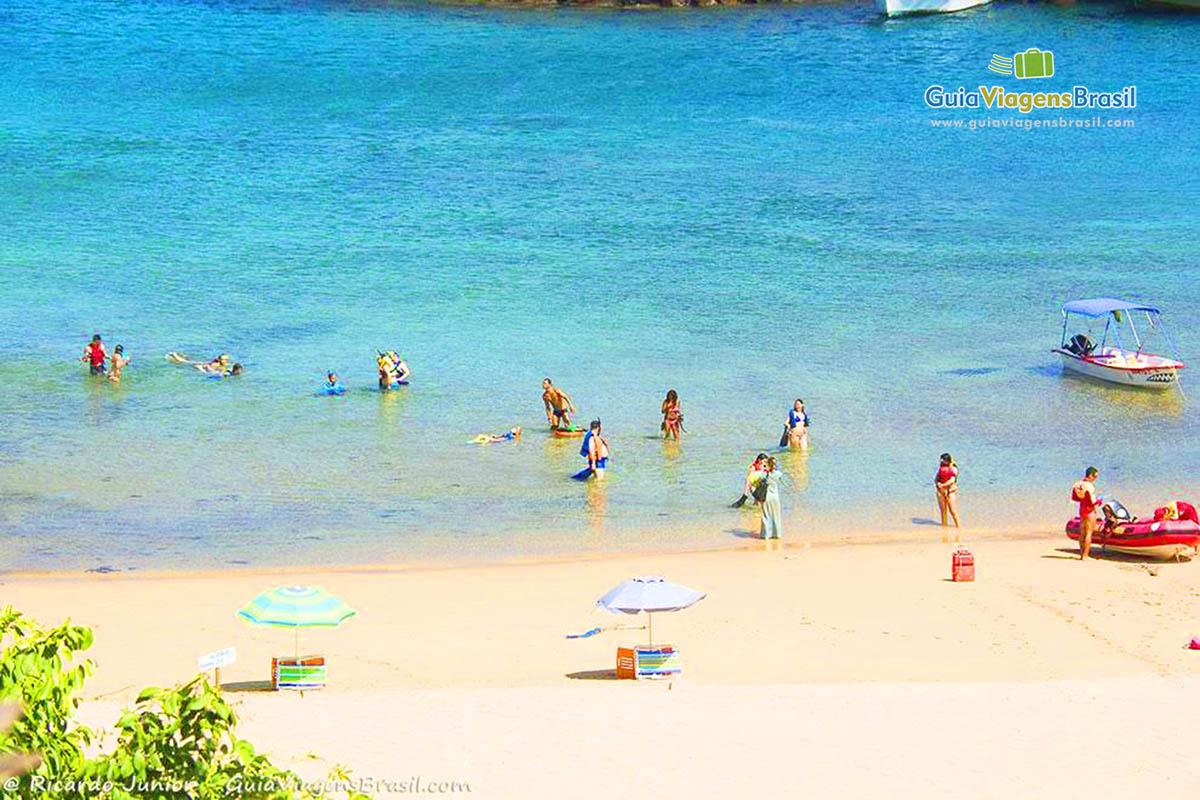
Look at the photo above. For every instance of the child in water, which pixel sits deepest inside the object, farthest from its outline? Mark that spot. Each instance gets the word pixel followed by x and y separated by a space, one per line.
pixel 333 385
pixel 513 435
pixel 118 363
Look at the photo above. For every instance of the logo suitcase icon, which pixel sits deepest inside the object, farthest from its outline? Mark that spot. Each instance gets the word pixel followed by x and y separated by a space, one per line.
pixel 1033 63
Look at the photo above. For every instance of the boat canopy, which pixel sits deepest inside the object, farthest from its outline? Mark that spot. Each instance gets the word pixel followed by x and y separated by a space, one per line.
pixel 1099 306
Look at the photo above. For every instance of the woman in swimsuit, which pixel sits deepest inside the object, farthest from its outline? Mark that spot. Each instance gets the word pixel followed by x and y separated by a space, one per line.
pixel 797 425
pixel 946 483
pixel 672 416
pixel 400 368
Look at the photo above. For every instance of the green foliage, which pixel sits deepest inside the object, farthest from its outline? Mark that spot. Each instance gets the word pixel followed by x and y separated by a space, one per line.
pixel 173 744
pixel 179 743
pixel 40 669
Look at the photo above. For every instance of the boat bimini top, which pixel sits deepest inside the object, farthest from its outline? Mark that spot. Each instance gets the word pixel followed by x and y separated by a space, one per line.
pixel 1099 306
pixel 1082 346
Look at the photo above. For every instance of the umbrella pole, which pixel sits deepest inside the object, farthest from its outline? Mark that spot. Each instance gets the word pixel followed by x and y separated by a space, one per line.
pixel 296 632
pixel 650 626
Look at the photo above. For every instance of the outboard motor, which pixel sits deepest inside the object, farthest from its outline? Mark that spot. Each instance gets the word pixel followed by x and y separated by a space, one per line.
pixel 1114 513
pixel 1081 345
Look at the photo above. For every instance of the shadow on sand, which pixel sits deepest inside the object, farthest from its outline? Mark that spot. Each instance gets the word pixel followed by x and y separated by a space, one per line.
pixel 1098 553
pixel 247 686
pixel 593 675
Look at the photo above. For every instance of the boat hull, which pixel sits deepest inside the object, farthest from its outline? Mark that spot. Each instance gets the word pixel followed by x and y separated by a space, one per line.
pixel 1166 539
pixel 1155 379
pixel 899 8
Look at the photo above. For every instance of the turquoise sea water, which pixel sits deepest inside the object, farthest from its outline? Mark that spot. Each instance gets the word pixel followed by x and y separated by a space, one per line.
pixel 746 205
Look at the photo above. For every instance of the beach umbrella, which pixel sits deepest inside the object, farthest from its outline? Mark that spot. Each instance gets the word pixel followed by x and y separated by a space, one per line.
pixel 296 607
pixel 651 594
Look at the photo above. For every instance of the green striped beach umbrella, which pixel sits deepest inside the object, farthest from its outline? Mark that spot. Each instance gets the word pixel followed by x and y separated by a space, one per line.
pixel 297 607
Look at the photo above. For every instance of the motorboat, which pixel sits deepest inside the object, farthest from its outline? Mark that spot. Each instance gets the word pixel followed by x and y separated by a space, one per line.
pixel 899 8
pixel 1159 537
pixel 1116 363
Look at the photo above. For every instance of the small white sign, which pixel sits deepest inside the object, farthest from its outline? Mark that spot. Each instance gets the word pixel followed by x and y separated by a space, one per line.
pixel 217 658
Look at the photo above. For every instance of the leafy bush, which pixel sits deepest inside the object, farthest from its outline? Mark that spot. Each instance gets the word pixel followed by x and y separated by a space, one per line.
pixel 38 669
pixel 174 744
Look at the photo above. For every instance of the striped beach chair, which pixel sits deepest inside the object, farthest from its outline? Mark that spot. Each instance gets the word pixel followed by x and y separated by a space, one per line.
pixel 648 661
pixel 303 672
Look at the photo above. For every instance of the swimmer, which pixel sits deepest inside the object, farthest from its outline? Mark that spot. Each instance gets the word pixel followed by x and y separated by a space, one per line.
pixel 384 363
pixel 513 435
pixel 400 368
pixel 559 406
pixel 217 366
pixel 333 385
pixel 119 362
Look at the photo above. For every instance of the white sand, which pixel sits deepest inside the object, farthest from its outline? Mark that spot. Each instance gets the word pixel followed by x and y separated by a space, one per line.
pixel 832 672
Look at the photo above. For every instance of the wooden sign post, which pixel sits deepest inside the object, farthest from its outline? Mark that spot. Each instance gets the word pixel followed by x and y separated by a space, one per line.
pixel 214 661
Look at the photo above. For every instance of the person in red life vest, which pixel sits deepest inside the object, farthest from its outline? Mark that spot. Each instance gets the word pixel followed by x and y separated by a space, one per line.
pixel 946 483
pixel 1177 509
pixel 1084 493
pixel 95 355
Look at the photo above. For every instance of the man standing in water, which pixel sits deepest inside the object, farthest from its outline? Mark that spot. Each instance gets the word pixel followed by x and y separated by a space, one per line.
pixel 95 355
pixel 597 450
pixel 558 405
pixel 1084 493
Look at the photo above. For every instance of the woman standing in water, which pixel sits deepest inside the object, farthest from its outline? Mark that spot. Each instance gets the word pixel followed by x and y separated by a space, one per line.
pixel 769 506
pixel 946 483
pixel 797 426
pixel 672 416
pixel 119 362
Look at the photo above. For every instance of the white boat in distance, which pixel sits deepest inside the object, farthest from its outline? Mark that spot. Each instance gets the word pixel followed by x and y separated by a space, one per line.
pixel 1116 364
pixel 899 8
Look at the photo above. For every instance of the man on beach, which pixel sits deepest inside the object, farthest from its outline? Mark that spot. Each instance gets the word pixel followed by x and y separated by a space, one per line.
pixel 1084 493
pixel 558 405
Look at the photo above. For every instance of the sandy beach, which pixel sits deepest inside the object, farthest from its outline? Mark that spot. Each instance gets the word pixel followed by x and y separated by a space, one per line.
pixel 831 671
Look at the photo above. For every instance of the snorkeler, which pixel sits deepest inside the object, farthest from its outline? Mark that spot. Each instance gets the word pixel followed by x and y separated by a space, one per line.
pixel 385 370
pixel 393 371
pixel 220 366
pixel 513 435
pixel 400 368
pixel 558 405
pixel 596 447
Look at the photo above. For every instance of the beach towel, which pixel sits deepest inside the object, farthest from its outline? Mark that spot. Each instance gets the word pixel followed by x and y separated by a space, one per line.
pixel 585 634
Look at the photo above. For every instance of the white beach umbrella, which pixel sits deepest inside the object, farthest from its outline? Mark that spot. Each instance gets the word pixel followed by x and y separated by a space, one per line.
pixel 649 593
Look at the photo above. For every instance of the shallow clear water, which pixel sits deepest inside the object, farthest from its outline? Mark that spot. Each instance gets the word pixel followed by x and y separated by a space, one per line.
pixel 746 205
